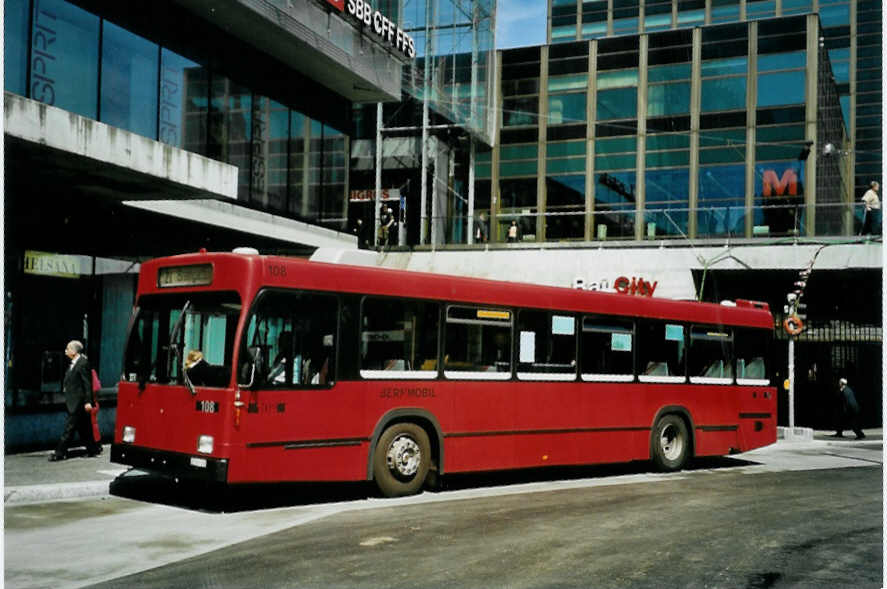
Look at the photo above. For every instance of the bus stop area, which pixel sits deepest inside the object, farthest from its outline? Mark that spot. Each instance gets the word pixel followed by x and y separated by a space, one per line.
pixel 30 478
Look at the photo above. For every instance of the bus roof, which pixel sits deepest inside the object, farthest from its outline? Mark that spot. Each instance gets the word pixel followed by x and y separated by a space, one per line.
pixel 247 273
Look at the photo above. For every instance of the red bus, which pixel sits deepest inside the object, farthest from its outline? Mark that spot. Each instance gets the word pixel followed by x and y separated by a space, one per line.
pixel 325 372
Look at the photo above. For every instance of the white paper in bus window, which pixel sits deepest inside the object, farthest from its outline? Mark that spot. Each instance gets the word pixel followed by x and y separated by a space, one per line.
pixel 561 325
pixel 674 333
pixel 527 346
pixel 620 342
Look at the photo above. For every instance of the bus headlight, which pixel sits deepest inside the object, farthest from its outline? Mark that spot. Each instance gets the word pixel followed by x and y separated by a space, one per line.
pixel 129 434
pixel 205 444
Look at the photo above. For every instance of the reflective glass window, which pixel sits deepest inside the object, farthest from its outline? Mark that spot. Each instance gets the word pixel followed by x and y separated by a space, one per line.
pixel 782 61
pixel 614 204
pixel 796 6
pixel 617 79
pixel 520 111
pixel 270 133
pixel 15 47
pixel 721 204
pixel 618 103
pixel 65 57
pixel 779 196
pixel 723 94
pixel 668 73
pixel 563 32
pixel 129 81
pixel 781 88
pixel 565 202
pixel 667 201
pixel 657 22
pixel 668 99
pixel 230 129
pixel 690 17
pixel 559 83
pixel 566 108
pixel 835 15
pixel 728 13
pixel 183 102
pixel 711 355
pixel 757 10
pixel 594 30
pixel 724 67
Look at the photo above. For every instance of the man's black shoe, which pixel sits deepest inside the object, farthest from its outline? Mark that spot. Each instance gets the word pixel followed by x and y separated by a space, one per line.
pixel 56 458
pixel 836 436
pixel 96 453
pixel 860 437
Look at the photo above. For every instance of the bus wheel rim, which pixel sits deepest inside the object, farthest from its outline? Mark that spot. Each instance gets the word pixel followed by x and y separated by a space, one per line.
pixel 671 442
pixel 404 456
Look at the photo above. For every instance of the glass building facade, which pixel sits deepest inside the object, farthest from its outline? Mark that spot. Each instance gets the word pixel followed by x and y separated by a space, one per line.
pixel 705 132
pixel 289 163
pixel 851 35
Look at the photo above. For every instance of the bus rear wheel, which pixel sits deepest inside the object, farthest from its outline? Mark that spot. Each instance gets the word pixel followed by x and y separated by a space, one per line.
pixel 671 443
pixel 401 460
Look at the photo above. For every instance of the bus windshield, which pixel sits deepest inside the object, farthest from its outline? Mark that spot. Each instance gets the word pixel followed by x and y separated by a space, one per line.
pixel 162 339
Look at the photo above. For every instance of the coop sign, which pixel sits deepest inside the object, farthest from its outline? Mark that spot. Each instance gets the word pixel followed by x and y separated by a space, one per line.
pixel 384 28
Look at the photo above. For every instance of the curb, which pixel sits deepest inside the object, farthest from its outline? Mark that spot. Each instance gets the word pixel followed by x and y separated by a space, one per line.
pixel 54 492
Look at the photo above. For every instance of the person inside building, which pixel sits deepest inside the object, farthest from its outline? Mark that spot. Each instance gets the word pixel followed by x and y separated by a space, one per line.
pixel 849 416
pixel 512 232
pixel 871 222
pixel 77 387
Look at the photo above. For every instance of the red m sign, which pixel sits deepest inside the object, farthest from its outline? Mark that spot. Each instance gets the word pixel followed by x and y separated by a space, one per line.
pixel 774 186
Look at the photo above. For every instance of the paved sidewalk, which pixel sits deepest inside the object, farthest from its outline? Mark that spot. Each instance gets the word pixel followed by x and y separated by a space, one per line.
pixel 31 478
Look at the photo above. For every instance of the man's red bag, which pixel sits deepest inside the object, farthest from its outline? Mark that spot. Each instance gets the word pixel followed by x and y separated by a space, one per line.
pixel 94 414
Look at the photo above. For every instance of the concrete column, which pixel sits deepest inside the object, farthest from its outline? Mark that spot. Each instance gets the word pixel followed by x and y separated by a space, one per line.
pixel 850 157
pixel 707 12
pixel 695 107
pixel 674 13
pixel 494 159
pixel 578 21
pixel 609 18
pixel 541 192
pixel 810 118
pixel 590 115
pixel 640 161
pixel 751 103
pixel 741 10
pixel 470 218
pixel 378 203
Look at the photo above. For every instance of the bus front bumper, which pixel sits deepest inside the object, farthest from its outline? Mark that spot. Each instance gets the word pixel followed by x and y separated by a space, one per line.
pixel 174 464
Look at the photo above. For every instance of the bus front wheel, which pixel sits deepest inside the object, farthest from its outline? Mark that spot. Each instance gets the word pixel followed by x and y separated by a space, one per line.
pixel 671 443
pixel 401 460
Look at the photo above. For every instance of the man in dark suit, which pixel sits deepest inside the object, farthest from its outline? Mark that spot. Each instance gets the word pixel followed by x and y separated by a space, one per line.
pixel 78 401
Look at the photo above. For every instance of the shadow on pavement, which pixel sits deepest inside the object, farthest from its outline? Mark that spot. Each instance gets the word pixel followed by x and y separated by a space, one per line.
pixel 216 498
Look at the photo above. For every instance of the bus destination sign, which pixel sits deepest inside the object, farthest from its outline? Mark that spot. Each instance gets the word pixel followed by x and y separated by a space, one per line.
pixel 177 276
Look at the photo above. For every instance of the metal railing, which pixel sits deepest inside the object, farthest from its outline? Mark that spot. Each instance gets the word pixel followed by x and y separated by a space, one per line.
pixel 665 223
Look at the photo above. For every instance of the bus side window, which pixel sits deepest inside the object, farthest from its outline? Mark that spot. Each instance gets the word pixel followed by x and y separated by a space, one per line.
pixel 711 355
pixel 607 349
pixel 294 334
pixel 751 353
pixel 661 352
pixel 398 336
pixel 478 343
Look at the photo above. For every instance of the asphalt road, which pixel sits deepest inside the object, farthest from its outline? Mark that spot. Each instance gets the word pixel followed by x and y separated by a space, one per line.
pixel 788 516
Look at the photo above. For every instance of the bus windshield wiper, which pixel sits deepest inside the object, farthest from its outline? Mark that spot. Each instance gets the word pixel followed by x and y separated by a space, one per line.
pixel 175 349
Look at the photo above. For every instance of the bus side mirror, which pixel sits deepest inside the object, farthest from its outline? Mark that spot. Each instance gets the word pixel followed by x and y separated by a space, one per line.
pixel 256 366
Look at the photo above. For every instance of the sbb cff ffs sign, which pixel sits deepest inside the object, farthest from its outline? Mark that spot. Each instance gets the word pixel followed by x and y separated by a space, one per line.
pixel 382 26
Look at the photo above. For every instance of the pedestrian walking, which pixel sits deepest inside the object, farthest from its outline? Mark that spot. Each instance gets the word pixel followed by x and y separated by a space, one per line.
pixel 871 222
pixel 849 417
pixel 78 401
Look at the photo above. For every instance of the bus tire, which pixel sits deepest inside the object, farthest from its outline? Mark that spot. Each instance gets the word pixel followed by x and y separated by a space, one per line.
pixel 670 443
pixel 401 460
